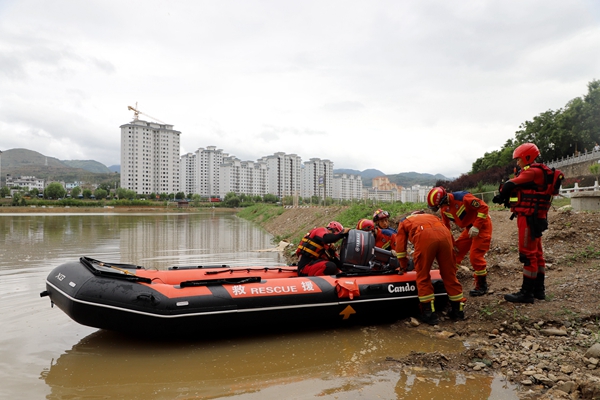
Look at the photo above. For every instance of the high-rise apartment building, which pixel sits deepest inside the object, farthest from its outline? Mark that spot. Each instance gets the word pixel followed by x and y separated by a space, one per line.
pixel 150 156
pixel 347 187
pixel 283 174
pixel 317 178
pixel 243 177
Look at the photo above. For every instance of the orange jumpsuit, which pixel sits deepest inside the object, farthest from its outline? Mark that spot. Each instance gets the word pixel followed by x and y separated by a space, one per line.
pixel 531 253
pixel 466 210
pixel 432 241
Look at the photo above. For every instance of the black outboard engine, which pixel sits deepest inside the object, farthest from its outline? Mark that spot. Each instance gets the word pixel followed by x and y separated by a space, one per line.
pixel 358 252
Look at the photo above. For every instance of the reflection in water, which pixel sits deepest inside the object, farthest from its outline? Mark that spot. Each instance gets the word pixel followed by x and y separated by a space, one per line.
pixel 334 363
pixel 150 240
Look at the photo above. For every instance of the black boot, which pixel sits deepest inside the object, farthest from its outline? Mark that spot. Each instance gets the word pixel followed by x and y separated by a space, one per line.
pixel 481 286
pixel 457 310
pixel 539 290
pixel 525 295
pixel 428 314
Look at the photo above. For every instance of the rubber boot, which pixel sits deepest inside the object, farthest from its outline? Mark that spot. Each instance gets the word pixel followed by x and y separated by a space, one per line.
pixel 539 290
pixel 481 286
pixel 457 310
pixel 525 295
pixel 428 314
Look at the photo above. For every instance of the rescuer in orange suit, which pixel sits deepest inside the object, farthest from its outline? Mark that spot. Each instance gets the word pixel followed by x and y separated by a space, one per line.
pixel 529 196
pixel 472 215
pixel 431 241
pixel 316 253
pixel 384 235
pixel 365 225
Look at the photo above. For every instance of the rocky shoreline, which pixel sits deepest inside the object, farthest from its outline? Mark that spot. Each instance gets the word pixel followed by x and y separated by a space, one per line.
pixel 550 349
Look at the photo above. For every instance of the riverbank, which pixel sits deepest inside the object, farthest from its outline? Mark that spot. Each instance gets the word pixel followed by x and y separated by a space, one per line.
pixel 550 349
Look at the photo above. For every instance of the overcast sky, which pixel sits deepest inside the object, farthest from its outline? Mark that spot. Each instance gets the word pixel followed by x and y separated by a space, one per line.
pixel 399 86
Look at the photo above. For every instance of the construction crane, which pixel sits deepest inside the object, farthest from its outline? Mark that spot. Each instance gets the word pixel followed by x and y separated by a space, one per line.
pixel 136 114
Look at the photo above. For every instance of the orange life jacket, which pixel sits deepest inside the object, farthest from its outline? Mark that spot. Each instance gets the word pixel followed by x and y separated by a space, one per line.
pixel 532 199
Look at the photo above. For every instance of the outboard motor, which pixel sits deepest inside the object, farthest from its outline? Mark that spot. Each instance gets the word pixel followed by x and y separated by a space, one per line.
pixel 358 251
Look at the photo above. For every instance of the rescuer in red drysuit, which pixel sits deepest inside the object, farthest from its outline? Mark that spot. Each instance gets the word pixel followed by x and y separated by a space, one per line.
pixel 431 241
pixel 316 251
pixel 471 214
pixel 529 195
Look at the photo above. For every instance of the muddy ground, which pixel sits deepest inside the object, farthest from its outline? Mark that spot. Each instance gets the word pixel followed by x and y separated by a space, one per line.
pixel 546 348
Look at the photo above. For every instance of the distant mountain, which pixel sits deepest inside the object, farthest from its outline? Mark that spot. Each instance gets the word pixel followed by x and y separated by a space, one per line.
pixel 115 168
pixel 88 165
pixel 23 162
pixel 367 175
pixel 406 179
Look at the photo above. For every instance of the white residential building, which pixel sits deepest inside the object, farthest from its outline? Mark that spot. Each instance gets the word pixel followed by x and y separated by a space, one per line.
pixel 317 178
pixel 390 195
pixel 208 171
pixel 415 194
pixel 347 187
pixel 150 157
pixel 243 177
pixel 188 168
pixel 29 182
pixel 283 174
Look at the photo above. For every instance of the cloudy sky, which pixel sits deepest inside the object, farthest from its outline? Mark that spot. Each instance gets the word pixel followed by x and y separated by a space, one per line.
pixel 426 86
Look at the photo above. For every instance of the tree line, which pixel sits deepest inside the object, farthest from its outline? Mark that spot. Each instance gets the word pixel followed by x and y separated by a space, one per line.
pixel 557 133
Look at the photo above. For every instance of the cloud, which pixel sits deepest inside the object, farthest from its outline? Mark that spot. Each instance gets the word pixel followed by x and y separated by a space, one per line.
pixel 396 86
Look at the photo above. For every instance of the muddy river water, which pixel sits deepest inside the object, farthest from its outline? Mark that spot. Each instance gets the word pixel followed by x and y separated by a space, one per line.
pixel 47 355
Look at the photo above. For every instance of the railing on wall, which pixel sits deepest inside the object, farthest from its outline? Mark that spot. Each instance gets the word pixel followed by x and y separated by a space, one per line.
pixel 564 192
pixel 575 158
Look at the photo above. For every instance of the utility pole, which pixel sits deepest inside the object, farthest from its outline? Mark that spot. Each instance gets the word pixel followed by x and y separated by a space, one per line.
pixel 0 169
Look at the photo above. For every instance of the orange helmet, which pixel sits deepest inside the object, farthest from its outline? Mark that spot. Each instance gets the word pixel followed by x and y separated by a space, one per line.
pixel 436 197
pixel 335 226
pixel 365 225
pixel 526 152
pixel 380 214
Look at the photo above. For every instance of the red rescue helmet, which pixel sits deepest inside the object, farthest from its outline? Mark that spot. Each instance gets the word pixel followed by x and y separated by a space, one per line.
pixel 365 225
pixel 436 197
pixel 380 214
pixel 335 226
pixel 527 152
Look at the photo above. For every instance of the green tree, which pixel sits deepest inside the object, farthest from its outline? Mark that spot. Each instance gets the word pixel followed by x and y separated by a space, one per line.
pixel 232 200
pixel 180 196
pixel 75 192
pixel 270 198
pixel 100 193
pixel 54 191
pixel 87 193
pixel 4 191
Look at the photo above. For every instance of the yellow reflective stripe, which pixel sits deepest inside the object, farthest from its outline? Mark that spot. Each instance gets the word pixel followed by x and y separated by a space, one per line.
pixel 457 297
pixel 529 274
pixel 401 255
pixel 513 199
pixel 461 210
pixel 481 273
pixel 449 215
pixel 427 299
pixel 482 215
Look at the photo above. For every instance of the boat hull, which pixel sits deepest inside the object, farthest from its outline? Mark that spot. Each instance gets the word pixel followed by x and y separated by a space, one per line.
pixel 206 301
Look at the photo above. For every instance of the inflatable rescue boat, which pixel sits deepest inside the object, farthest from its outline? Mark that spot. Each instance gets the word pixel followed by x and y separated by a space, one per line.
pixel 201 300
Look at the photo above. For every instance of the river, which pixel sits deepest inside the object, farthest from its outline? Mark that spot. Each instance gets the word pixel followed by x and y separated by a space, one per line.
pixel 47 355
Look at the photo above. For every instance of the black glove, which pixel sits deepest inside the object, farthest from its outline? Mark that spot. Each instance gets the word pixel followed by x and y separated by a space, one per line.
pixel 497 199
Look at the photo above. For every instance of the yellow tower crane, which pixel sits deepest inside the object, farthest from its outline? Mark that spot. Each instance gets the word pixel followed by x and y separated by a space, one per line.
pixel 136 114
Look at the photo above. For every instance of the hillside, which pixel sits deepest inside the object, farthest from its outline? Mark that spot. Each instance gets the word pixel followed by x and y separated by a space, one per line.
pixel 23 162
